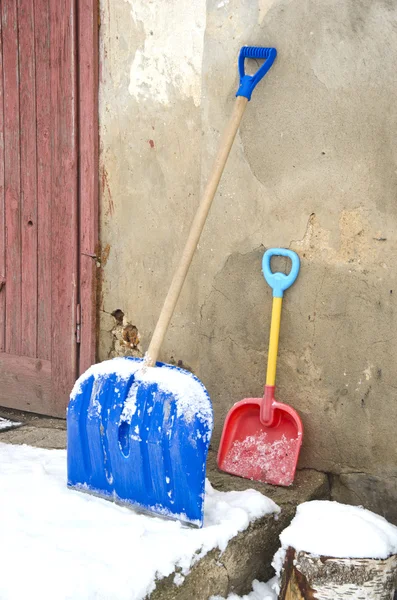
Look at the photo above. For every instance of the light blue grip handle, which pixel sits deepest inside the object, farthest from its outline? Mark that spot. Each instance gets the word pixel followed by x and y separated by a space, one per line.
pixel 279 281
pixel 248 82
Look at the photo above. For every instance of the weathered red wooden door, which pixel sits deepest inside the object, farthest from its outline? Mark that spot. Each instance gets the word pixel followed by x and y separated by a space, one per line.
pixel 40 208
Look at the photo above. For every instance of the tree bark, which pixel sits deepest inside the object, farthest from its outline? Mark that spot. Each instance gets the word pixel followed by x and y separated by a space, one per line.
pixel 309 577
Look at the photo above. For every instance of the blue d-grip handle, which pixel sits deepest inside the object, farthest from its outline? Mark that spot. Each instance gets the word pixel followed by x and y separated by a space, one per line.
pixel 279 281
pixel 248 82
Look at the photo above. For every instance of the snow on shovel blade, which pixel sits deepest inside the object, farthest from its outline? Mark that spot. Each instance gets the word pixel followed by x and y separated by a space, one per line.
pixel 140 436
pixel 254 450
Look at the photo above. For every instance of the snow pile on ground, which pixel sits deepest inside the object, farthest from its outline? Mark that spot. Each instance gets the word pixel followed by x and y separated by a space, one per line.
pixel 57 544
pixel 327 528
pixel 260 591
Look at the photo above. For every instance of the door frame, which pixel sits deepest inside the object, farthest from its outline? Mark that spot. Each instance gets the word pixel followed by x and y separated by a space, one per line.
pixel 88 169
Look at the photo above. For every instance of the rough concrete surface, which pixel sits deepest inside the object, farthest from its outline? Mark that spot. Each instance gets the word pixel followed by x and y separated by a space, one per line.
pixel 312 169
pixel 36 430
pixel 376 493
pixel 248 555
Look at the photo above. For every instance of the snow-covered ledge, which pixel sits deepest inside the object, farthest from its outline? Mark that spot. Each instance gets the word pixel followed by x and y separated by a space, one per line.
pixel 334 551
pixel 73 545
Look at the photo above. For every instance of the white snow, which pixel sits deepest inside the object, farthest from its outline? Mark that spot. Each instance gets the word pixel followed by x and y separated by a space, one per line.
pixel 327 528
pixel 6 424
pixel 190 395
pixel 124 369
pixel 260 591
pixel 129 408
pixel 178 579
pixel 72 545
pixel 272 461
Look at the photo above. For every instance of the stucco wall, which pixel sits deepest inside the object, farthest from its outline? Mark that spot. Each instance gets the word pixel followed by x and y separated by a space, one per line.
pixel 313 169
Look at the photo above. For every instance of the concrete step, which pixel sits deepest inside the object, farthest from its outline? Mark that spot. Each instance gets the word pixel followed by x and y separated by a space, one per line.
pixel 36 430
pixel 249 554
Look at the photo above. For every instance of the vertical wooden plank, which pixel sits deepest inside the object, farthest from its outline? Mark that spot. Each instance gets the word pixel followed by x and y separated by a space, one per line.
pixel 25 384
pixel 27 97
pixel 2 206
pixel 64 198
pixel 88 146
pixel 12 176
pixel 43 113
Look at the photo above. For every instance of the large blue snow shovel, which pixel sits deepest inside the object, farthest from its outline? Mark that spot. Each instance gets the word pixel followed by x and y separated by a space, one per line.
pixel 139 431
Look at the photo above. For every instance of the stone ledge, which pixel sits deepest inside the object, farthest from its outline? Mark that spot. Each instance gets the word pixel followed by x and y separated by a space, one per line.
pixel 249 554
pixel 36 430
pixel 306 482
pixel 40 437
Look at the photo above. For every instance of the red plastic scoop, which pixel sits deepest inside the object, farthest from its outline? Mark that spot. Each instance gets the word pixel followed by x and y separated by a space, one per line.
pixel 261 437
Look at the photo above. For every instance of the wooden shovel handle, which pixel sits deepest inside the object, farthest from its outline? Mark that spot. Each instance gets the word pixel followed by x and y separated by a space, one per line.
pixel 195 232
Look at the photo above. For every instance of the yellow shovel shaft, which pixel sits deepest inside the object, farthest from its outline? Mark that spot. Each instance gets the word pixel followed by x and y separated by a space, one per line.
pixel 273 343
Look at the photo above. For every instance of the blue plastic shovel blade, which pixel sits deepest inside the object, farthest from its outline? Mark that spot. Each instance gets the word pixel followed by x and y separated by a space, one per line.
pixel 140 435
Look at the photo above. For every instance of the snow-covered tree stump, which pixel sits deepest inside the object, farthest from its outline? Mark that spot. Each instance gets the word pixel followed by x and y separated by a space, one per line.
pixel 309 577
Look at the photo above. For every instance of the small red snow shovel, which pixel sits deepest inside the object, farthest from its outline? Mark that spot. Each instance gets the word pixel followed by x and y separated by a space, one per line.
pixel 261 437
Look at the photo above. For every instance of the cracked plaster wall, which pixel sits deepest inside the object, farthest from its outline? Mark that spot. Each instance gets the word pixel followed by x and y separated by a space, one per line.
pixel 313 169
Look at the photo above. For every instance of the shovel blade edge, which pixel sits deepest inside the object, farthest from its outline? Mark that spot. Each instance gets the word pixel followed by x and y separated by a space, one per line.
pixel 140 437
